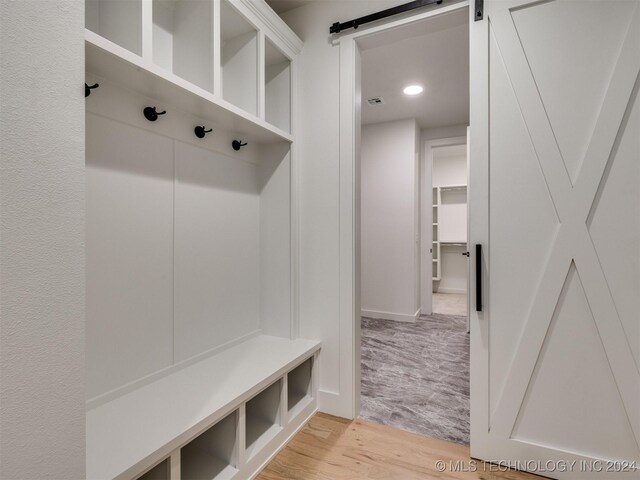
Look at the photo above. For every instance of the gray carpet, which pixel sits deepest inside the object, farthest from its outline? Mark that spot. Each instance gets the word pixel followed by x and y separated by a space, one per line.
pixel 415 376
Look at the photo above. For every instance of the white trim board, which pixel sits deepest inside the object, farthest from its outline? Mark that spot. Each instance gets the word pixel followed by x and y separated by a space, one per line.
pixel 397 317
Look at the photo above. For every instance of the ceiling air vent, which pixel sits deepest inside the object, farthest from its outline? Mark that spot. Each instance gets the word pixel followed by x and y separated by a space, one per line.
pixel 375 101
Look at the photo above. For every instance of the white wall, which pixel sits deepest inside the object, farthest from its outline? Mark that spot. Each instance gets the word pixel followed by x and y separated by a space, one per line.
pixel 318 139
pixel 389 213
pixel 42 411
pixel 449 169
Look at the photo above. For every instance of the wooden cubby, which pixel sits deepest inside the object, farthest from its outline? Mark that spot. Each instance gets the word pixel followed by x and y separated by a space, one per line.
pixel 182 39
pixel 118 21
pixel 277 87
pixel 299 386
pixel 213 455
pixel 159 472
pixel 239 62
pixel 263 418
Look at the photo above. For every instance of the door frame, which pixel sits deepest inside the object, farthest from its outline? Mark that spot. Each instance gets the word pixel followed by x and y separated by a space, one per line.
pixel 426 219
pixel 349 192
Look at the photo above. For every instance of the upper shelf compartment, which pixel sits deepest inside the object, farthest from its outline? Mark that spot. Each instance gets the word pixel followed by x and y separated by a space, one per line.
pixel 183 39
pixel 174 53
pixel 118 21
pixel 277 87
pixel 239 50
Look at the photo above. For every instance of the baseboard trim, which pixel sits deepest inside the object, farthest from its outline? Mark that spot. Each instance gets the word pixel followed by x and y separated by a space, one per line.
pixel 458 291
pixel 398 317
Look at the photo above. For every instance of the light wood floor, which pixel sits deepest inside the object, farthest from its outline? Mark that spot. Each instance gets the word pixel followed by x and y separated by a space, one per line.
pixel 331 448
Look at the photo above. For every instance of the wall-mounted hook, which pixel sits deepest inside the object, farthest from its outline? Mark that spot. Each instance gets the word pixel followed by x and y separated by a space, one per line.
pixel 237 144
pixel 151 114
pixel 201 132
pixel 87 89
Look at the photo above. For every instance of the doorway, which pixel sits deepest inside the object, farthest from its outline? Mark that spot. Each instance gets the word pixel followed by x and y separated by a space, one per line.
pixel 414 119
pixel 445 246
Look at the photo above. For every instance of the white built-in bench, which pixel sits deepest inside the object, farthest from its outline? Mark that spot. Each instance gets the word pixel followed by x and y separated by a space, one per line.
pixel 223 417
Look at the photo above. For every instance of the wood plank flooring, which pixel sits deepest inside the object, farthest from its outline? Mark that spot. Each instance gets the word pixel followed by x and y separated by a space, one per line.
pixel 332 448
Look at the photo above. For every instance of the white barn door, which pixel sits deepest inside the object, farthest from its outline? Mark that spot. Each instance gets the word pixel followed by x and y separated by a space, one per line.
pixel 555 203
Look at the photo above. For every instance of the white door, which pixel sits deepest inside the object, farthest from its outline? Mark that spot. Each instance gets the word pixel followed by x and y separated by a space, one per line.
pixel 555 199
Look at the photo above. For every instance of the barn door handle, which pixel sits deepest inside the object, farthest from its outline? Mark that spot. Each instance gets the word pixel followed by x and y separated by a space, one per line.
pixel 478 277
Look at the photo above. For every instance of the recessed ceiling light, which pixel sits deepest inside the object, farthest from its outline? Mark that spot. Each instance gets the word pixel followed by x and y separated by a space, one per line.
pixel 413 90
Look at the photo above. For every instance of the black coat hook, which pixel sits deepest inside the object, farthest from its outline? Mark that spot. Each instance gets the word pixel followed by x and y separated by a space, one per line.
pixel 151 114
pixel 237 144
pixel 201 132
pixel 87 89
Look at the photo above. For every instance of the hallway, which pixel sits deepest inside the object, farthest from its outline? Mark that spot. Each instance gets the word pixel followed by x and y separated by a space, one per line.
pixel 415 376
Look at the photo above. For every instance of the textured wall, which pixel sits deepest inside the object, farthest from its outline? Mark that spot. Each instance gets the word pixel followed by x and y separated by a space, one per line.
pixel 41 240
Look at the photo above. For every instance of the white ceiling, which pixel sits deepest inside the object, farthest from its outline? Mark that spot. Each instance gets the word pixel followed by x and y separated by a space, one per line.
pixel 433 53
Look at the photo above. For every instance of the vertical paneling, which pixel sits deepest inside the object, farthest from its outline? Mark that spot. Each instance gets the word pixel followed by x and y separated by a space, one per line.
pixel 129 254
pixel 217 250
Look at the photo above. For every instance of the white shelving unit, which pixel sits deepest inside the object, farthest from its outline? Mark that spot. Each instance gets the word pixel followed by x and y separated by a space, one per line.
pixel 182 39
pixel 119 22
pixel 213 454
pixel 449 223
pixel 137 430
pixel 190 243
pixel 300 387
pixel 239 46
pixel 436 238
pixel 264 421
pixel 159 472
pixel 277 87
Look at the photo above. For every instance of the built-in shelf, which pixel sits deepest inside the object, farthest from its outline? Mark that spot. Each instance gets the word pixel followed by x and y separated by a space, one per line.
pixel 299 387
pixel 213 455
pixel 263 418
pixel 163 415
pixel 277 87
pixel 183 39
pixel 159 472
pixel 239 51
pixel 117 21
pixel 106 60
pixel 452 187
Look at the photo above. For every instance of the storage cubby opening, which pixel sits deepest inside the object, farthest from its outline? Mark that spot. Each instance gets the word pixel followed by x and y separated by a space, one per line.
pixel 183 39
pixel 299 385
pixel 239 50
pixel 159 472
pixel 263 420
pixel 435 233
pixel 213 455
pixel 435 215
pixel 435 271
pixel 277 79
pixel 119 21
pixel 435 195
